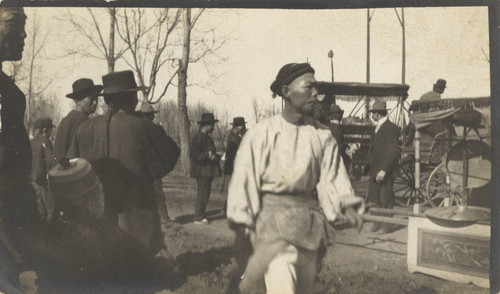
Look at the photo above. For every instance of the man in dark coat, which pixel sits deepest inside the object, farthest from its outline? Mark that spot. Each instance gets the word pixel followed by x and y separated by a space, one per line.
pixel 18 207
pixel 232 144
pixel 43 160
pixel 336 114
pixel 204 165
pixel 383 160
pixel 128 154
pixel 85 96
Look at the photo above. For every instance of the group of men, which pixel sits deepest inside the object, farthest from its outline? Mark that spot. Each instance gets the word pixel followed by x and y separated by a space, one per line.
pixel 287 181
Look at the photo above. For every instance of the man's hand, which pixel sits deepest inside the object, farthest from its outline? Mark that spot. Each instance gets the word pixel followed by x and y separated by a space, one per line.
pixel 354 218
pixel 380 176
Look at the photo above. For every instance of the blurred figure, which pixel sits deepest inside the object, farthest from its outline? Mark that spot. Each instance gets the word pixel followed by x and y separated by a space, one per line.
pixel 42 161
pixel 18 206
pixel 146 110
pixel 436 92
pixel 128 153
pixel 335 116
pixel 85 96
pixel 204 165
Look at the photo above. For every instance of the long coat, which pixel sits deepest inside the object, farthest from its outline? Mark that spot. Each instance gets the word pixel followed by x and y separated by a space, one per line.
pixel 66 131
pixel 137 154
pixel 233 142
pixel 384 150
pixel 201 165
pixel 338 134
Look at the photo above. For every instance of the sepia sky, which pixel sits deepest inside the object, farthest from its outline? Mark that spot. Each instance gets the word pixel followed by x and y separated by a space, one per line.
pixel 440 43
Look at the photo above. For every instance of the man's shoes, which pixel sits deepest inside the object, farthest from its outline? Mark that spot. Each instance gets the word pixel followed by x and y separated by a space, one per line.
pixel 375 227
pixel 202 222
pixel 385 229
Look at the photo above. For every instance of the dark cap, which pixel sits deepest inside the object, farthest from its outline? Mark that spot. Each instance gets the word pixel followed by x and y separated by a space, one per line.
pixel 43 123
pixel 288 74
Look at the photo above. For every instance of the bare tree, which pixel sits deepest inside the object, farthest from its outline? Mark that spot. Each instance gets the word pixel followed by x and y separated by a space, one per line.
pixel 147 38
pixel 262 110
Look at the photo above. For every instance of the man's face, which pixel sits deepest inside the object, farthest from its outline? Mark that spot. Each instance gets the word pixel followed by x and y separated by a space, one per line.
pixel 12 33
pixel 302 93
pixel 239 129
pixel 210 128
pixel 89 104
pixel 440 90
pixel 375 116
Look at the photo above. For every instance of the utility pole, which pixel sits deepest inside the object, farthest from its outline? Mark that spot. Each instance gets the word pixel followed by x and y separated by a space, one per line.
pixel 368 19
pixel 330 55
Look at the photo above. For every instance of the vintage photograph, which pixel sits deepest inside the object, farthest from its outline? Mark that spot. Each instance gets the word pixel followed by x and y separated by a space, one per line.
pixel 222 150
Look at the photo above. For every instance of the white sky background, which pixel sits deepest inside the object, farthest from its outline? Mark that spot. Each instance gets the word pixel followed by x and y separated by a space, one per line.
pixel 440 43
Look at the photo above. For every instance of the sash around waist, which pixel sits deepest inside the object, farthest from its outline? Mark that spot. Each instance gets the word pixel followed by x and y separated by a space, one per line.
pixel 301 200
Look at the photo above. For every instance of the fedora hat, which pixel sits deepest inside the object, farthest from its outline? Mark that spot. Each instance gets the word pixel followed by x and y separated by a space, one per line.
pixel 379 106
pixel 207 118
pixel 83 88
pixel 120 82
pixel 145 107
pixel 440 83
pixel 238 121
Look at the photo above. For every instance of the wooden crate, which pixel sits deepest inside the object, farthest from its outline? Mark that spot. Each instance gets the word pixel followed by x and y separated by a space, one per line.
pixel 456 254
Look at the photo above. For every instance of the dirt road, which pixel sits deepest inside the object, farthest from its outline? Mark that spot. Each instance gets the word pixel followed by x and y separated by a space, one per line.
pixel 357 264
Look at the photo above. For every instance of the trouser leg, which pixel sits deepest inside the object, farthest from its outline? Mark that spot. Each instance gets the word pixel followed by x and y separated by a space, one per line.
pixel 225 192
pixel 161 201
pixel 386 193
pixel 203 194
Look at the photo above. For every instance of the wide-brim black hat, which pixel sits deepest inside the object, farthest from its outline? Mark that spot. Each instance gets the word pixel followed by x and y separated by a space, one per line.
pixel 238 121
pixel 83 88
pixel 120 82
pixel 207 118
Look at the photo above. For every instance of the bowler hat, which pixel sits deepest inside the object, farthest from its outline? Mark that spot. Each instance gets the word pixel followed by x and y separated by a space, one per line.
pixel 334 108
pixel 83 88
pixel 43 123
pixel 145 107
pixel 120 82
pixel 440 83
pixel 238 121
pixel 378 106
pixel 207 118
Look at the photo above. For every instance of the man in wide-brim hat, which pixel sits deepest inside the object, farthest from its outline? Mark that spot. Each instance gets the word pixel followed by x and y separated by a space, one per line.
pixel 437 90
pixel 204 164
pixel 85 96
pixel 382 160
pixel 284 164
pixel 128 153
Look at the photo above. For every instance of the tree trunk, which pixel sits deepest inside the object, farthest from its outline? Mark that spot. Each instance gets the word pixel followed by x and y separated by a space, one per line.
pixel 111 54
pixel 182 95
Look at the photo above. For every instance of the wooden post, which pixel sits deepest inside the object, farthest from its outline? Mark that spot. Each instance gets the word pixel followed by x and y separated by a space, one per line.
pixel 416 207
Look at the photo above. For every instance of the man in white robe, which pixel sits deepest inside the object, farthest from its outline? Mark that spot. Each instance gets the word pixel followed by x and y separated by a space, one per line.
pixel 288 185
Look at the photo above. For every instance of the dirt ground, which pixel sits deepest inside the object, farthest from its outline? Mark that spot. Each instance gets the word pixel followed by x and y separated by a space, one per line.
pixel 357 263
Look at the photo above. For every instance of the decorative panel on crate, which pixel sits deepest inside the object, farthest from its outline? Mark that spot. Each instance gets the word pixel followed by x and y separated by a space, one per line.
pixel 456 254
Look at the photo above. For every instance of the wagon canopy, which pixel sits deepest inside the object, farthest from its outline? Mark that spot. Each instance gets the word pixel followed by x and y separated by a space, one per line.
pixel 352 91
pixel 421 120
pixel 423 106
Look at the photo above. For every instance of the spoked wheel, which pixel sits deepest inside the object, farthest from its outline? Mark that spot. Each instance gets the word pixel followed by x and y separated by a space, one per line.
pixel 438 188
pixel 405 193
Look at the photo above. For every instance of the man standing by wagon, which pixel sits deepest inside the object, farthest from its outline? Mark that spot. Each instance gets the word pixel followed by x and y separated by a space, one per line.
pixel 382 159
pixel 287 185
pixel 85 96
pixel 204 165
pixel 436 92
pixel 128 154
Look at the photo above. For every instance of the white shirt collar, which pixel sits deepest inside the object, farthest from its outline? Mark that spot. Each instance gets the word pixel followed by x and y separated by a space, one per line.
pixel 335 121
pixel 380 122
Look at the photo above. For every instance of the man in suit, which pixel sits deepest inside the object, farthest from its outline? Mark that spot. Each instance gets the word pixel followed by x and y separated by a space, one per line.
pixel 335 116
pixel 204 165
pixel 85 96
pixel 382 159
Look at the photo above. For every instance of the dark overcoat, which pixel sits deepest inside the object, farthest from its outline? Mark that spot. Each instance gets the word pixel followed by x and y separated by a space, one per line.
pixel 201 165
pixel 338 134
pixel 66 130
pixel 384 150
pixel 138 153
pixel 233 142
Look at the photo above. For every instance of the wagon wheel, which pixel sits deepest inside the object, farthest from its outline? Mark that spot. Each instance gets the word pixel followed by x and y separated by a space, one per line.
pixel 405 193
pixel 438 187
